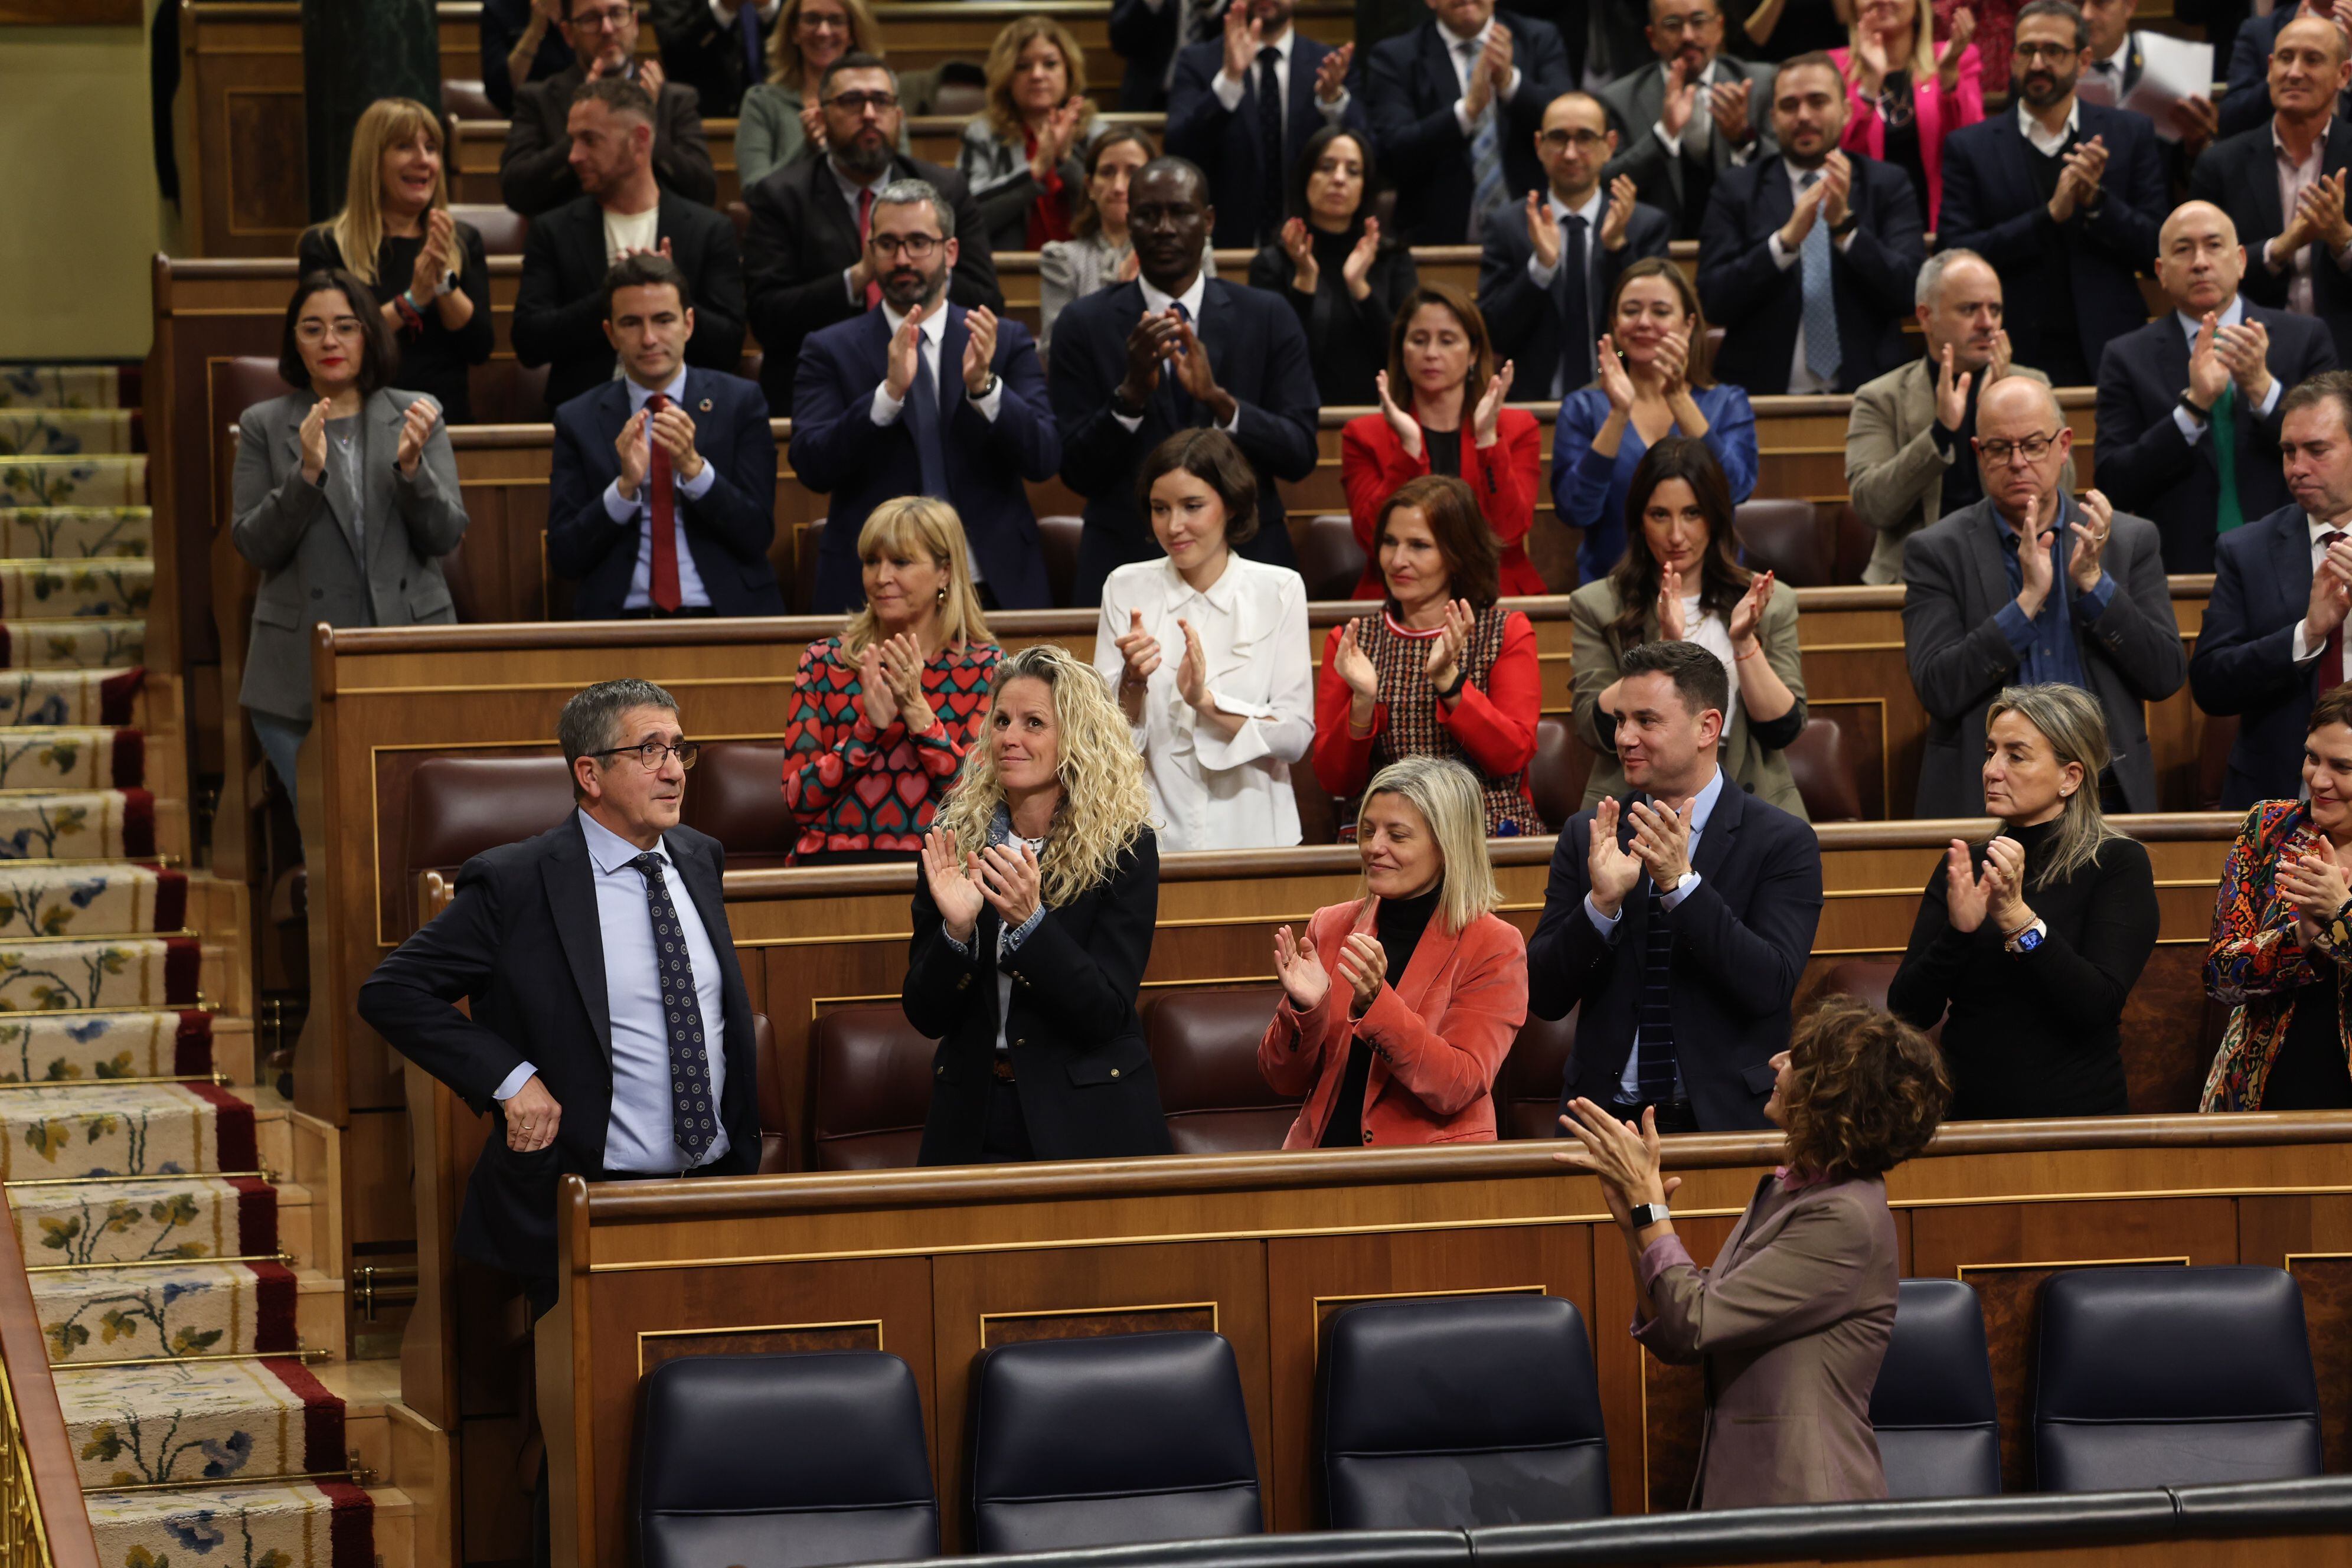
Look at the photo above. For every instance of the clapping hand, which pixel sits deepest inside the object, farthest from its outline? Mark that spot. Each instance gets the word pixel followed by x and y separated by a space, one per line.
pixel 812 124
pixel 1331 76
pixel 1619 213
pixel 906 356
pixel 946 874
pixel 2005 886
pixel 2315 885
pixel 875 693
pixel 2033 557
pixel 1149 343
pixel 416 427
pixel 1305 981
pixel 1680 88
pixel 1543 231
pixel 1299 245
pixel 1610 869
pixel 1363 964
pixel 1671 627
pixel 902 671
pixel 1662 841
pixel 1354 666
pixel 1673 363
pixel 1801 220
pixel 1193 670
pixel 2083 567
pixel 437 260
pixel 1623 1157
pixel 674 428
pixel 1967 896
pixel 1952 390
pixel 1407 429
pixel 1054 137
pixel 2197 121
pixel 1243 37
pixel 314 442
pixel 1357 271
pixel 1836 185
pixel 1727 101
pixel 2245 350
pixel 1748 614
pixel 1140 650
pixel 1446 648
pixel 1610 371
pixel 979 348
pixel 631 449
pixel 2331 594
pixel 1009 881
pixel 1195 374
pixel 1964 31
pixel 1487 417
pixel 2207 374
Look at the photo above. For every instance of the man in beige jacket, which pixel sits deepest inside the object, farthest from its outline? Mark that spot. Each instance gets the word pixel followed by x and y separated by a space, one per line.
pixel 1907 459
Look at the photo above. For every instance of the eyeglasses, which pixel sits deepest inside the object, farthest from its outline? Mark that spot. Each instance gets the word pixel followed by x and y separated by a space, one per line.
pixel 317 332
pixel 2033 449
pixel 653 753
pixel 859 102
pixel 1694 22
pixel 913 247
pixel 811 22
pixel 2056 54
pixel 612 18
pixel 1583 140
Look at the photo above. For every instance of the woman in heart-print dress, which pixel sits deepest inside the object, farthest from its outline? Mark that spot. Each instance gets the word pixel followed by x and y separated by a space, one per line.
pixel 883 713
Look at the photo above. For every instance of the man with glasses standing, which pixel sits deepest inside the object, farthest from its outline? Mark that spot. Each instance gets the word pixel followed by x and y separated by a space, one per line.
pixel 2028 586
pixel 1685 116
pixel 806 251
pixel 535 172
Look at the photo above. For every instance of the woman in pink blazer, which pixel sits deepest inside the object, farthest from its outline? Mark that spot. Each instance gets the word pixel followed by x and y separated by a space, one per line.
pixel 1902 96
pixel 1400 1006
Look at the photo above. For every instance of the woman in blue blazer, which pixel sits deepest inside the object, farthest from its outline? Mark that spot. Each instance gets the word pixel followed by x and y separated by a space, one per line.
pixel 1653 384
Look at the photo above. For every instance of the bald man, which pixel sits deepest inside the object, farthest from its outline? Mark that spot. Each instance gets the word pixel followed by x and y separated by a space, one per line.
pixel 2283 183
pixel 2188 404
pixel 2029 586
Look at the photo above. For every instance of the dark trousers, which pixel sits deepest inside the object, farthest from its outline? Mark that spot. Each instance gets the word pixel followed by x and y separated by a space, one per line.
pixel 1673 1115
pixel 1004 1137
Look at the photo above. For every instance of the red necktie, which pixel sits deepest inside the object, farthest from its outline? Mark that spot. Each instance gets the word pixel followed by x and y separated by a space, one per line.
pixel 2331 659
pixel 866 238
pixel 664 506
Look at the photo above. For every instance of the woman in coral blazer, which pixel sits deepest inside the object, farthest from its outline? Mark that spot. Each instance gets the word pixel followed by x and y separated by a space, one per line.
pixel 1400 1006
pixel 1903 96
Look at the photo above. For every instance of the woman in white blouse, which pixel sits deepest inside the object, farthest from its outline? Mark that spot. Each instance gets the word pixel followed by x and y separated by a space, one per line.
pixel 1209 657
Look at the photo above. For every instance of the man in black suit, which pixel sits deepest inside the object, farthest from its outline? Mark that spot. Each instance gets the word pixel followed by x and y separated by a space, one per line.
pixel 2247 102
pixel 2117 63
pixel 1148 34
pixel 535 169
pixel 522 41
pixel 1686 116
pixel 662 502
pixel 1137 362
pixel 806 249
pixel 560 303
pixel 1243 107
pixel 1455 105
pixel 2199 389
pixel 718 47
pixel 2063 197
pixel 602 1062
pixel 918 396
pixel 2283 183
pixel 1810 257
pixel 1544 285
pixel 1678 920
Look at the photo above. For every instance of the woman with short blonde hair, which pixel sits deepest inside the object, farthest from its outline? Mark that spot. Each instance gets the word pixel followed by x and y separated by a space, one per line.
pixel 1415 979
pixel 900 694
pixel 1020 155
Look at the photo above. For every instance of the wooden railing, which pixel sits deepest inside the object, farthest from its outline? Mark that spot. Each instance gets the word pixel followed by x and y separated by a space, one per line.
pixel 44 1522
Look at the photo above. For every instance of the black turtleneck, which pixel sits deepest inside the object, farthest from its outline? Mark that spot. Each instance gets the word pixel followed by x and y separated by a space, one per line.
pixel 2035 1033
pixel 1397 923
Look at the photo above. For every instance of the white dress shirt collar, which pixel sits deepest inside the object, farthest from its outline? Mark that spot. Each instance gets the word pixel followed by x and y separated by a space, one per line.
pixel 933 329
pixel 2229 316
pixel 638 393
pixel 2043 141
pixel 1454 40
pixel 1595 205
pixel 2320 527
pixel 1154 300
pixel 1222 595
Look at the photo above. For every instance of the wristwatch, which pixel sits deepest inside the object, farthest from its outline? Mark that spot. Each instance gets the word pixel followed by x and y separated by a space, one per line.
pixel 2029 939
pixel 984 391
pixel 2189 406
pixel 1840 230
pixel 1647 1214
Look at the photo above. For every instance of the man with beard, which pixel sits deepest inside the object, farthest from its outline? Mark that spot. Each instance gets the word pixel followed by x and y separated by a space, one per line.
pixel 1688 116
pixel 559 304
pixel 1137 362
pixel 918 396
pixel 1452 104
pixel 1243 106
pixel 806 249
pixel 2281 183
pixel 1909 448
pixel 2188 404
pixel 1809 257
pixel 2063 197
pixel 535 169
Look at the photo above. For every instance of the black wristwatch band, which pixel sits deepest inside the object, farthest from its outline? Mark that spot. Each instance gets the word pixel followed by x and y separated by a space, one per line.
pixel 1840 230
pixel 1460 679
pixel 2189 406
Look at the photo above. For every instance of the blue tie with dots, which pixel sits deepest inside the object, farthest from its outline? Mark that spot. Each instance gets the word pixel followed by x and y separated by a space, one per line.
pixel 693 1117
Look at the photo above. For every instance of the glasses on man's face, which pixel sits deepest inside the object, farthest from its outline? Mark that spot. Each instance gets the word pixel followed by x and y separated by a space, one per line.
pixel 314 330
pixel 913 247
pixel 1689 22
pixel 2033 449
pixel 859 102
pixel 1559 140
pixel 2056 54
pixel 651 755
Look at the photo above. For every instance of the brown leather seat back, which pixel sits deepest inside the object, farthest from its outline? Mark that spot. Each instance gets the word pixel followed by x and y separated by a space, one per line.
pixel 870 1088
pixel 775 1127
pixel 1527 1090
pixel 1824 773
pixel 1329 558
pixel 1852 541
pixel 460 578
pixel 508 392
pixel 502 229
pixel 1057 541
pixel 1867 978
pixel 2216 735
pixel 1205 1052
pixel 1784 537
pixel 1552 774
pixel 459 806
pixel 736 795
pixel 242 381
pixel 466 98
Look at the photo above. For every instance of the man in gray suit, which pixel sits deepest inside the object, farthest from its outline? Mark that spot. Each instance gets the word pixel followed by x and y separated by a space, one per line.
pixel 2027 586
pixel 1908 458
pixel 1687 115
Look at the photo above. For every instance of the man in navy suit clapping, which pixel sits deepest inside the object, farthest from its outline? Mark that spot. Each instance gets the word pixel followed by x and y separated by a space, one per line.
pixel 1244 105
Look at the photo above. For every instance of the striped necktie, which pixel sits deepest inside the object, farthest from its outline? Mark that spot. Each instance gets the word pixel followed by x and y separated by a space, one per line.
pixel 1486 152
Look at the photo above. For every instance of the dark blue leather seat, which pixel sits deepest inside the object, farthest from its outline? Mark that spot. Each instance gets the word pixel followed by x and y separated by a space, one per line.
pixel 1449 1412
pixel 2162 1377
pixel 1097 1442
pixel 1938 1431
pixel 782 1461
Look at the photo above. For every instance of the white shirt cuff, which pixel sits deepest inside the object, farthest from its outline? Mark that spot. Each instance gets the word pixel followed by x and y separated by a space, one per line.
pixel 1672 141
pixel 850 287
pixel 988 405
pixel 2301 649
pixel 1538 274
pixel 618 509
pixel 1228 92
pixel 1679 891
pixel 1230 426
pixel 2270 401
pixel 1337 109
pixel 1606 924
pixel 1511 88
pixel 1782 256
pixel 513 1083
pixel 699 486
pixel 887 409
pixel 1126 423
pixel 2192 428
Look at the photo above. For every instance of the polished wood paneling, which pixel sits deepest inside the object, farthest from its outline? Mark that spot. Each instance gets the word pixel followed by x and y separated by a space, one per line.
pixel 2312 1237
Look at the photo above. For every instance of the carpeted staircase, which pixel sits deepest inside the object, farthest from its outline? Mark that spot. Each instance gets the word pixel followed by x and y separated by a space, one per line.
pixel 162 1203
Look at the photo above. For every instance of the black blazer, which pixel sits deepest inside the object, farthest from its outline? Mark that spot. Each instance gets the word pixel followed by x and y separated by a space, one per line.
pixel 1259 355
pixel 1759 305
pixel 503 22
pixel 559 315
pixel 1347 338
pixel 2240 175
pixel 803 238
pixel 1742 940
pixel 1992 207
pixel 2247 102
pixel 1411 89
pixel 1079 1058
pixel 1144 36
pixel 522 944
pixel 535 166
pixel 728 532
pixel 1225 142
pixel 2145 466
pixel 697 51
pixel 838 449
pixel 1528 318
pixel 2244 662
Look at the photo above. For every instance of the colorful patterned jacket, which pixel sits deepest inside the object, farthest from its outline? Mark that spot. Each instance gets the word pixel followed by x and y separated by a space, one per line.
pixel 854 787
pixel 2257 961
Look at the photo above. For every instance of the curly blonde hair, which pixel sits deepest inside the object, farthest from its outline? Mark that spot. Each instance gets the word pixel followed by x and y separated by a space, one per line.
pixel 1004 59
pixel 1867 1092
pixel 1103 807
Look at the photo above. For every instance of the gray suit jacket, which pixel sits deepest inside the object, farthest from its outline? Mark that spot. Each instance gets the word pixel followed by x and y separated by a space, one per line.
pixel 1633 101
pixel 308 552
pixel 1893 471
pixel 1960 658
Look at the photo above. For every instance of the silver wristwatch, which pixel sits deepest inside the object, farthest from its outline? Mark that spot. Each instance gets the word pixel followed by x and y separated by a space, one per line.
pixel 1648 1215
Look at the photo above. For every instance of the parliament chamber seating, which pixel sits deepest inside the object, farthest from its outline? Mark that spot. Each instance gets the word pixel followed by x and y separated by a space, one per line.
pixel 782 1461
pixel 1454 1412
pixel 1058 542
pixel 460 806
pixel 1824 774
pixel 1937 1422
pixel 1527 1090
pixel 1785 538
pixel 1330 559
pixel 1555 773
pixel 1204 1048
pixel 870 1087
pixel 737 797
pixel 464 99
pixel 2177 1376
pixel 502 229
pixel 508 391
pixel 1124 1438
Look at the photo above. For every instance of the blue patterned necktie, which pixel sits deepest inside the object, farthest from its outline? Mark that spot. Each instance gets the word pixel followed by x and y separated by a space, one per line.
pixel 1486 152
pixel 923 424
pixel 1185 404
pixel 1821 356
pixel 1656 1070
pixel 694 1120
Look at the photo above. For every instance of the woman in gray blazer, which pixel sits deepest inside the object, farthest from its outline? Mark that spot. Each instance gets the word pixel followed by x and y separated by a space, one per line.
pixel 1793 1317
pixel 346 498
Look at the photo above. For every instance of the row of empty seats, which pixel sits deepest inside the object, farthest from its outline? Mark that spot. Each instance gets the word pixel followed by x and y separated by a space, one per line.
pixel 1455 1413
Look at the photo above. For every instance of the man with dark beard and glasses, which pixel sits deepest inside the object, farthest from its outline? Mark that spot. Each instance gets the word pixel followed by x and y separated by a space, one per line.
pixel 2063 197
pixel 805 253
pixel 918 396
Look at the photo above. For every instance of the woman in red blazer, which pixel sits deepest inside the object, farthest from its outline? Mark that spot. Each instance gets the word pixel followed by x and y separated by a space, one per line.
pixel 1398 1009
pixel 1439 352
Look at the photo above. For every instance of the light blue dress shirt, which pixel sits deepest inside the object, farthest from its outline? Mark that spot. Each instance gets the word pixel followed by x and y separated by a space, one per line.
pixel 639 1136
pixel 636 513
pixel 1702 807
